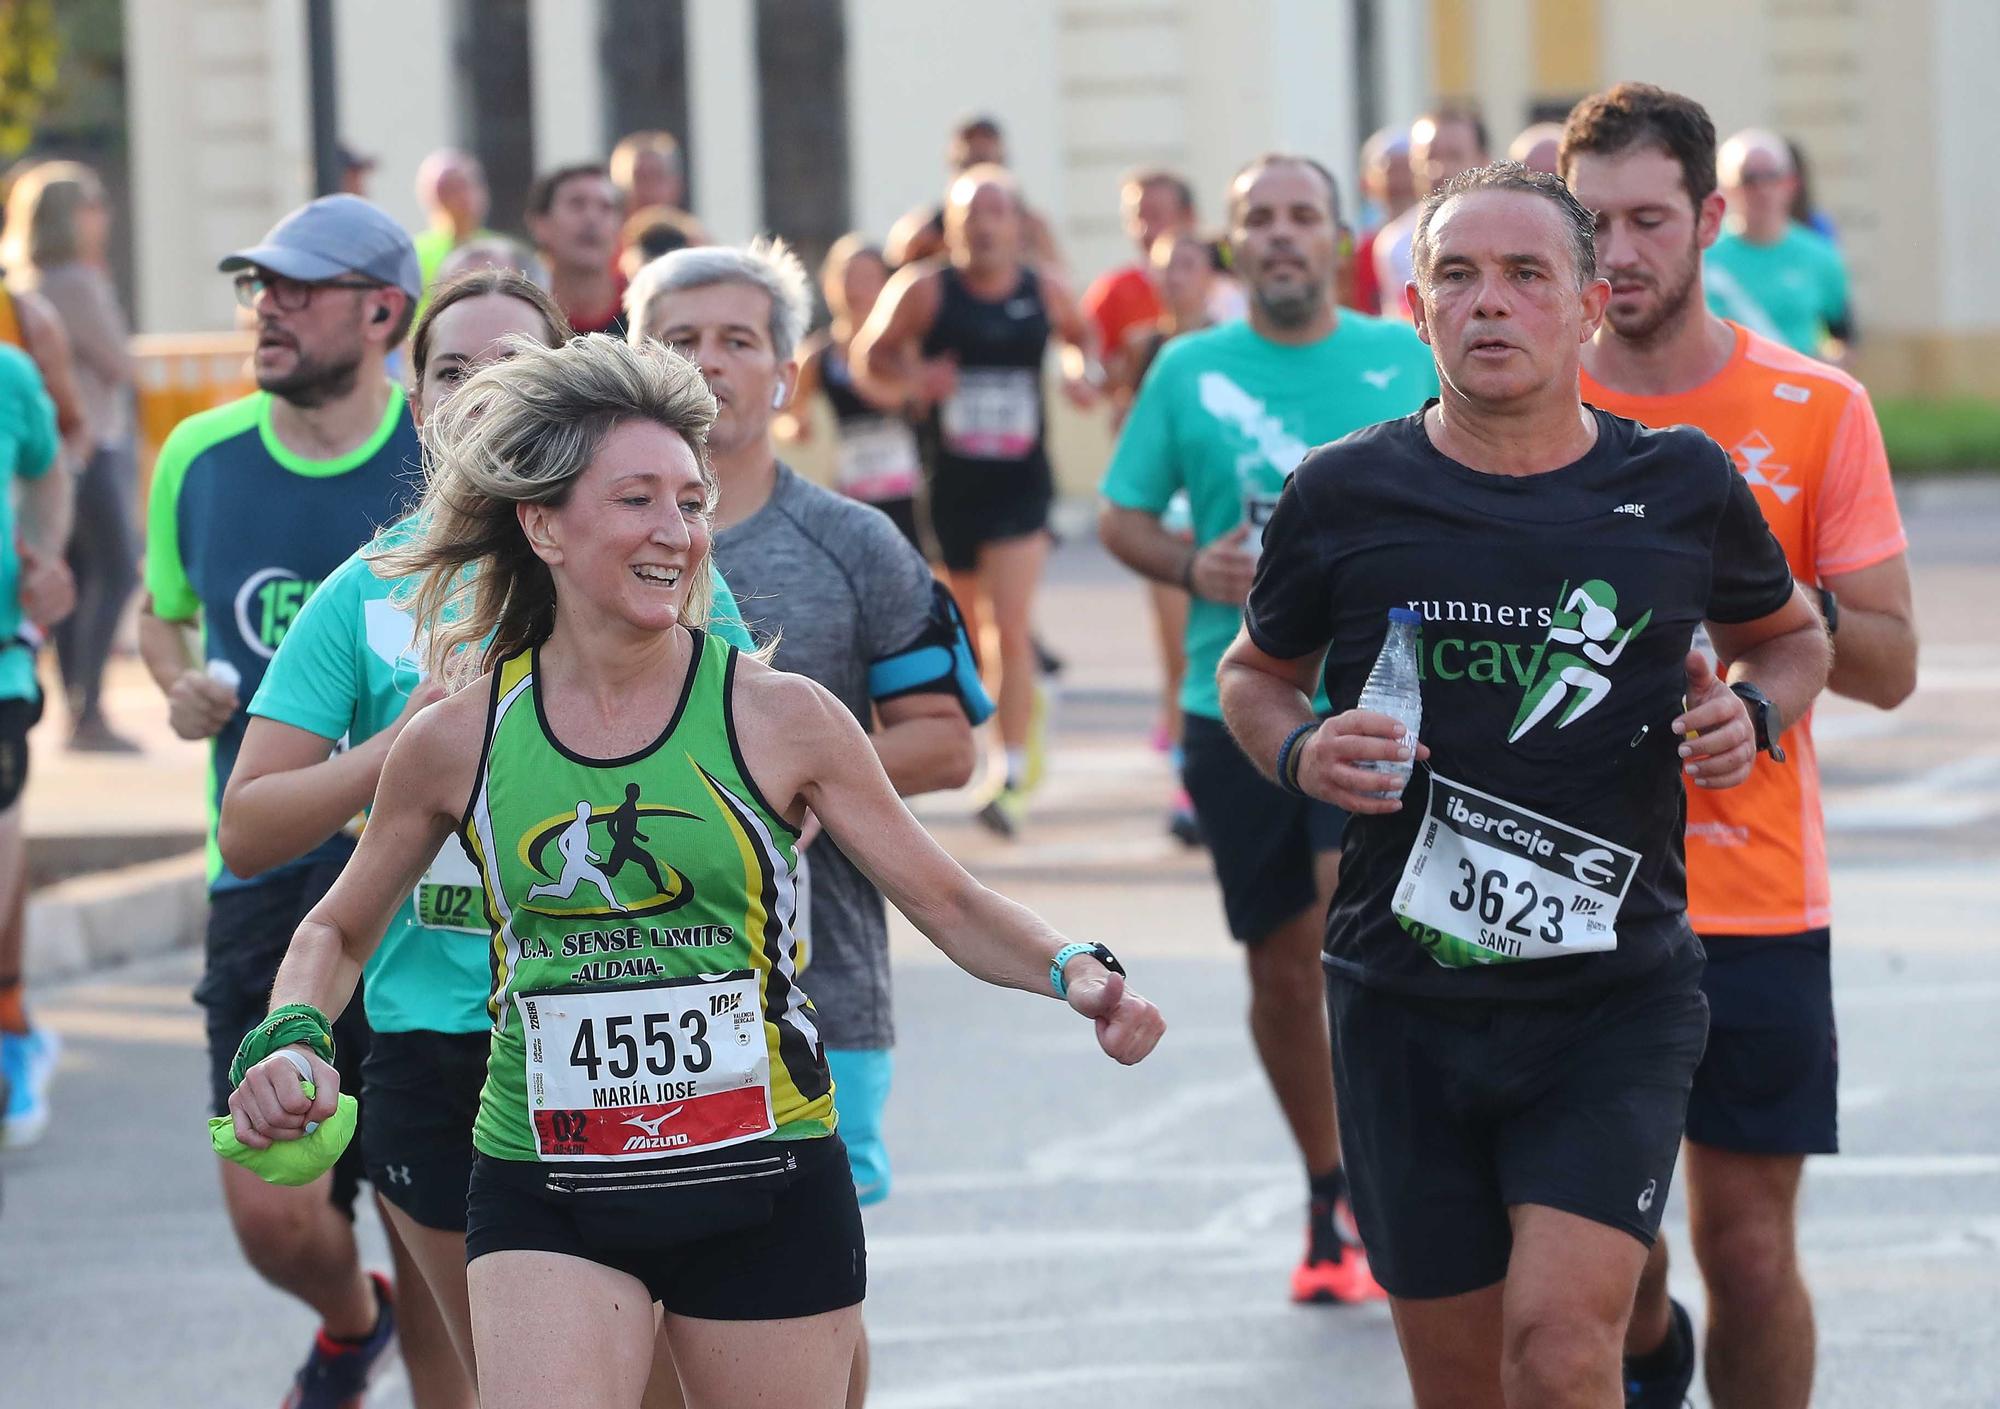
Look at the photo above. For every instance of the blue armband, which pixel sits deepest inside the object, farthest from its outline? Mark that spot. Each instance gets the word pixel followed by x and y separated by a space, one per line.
pixel 939 661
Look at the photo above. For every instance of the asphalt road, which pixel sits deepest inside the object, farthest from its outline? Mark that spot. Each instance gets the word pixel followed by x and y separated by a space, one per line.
pixel 1071 1235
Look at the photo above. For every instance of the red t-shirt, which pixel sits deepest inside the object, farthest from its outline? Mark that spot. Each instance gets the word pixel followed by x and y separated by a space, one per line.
pixel 1120 301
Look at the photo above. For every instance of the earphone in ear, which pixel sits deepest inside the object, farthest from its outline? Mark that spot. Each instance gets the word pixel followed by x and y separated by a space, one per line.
pixel 381 316
pixel 778 397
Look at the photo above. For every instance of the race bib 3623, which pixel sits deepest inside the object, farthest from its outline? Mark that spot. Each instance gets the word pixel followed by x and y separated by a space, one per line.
pixel 1489 882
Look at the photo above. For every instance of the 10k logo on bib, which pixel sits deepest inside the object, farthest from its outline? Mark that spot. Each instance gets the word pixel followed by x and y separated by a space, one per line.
pixel 1489 882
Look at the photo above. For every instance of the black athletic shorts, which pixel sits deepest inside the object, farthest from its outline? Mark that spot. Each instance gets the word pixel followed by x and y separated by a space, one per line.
pixel 422 1090
pixel 783 1240
pixel 1261 838
pixel 17 717
pixel 249 929
pixel 1768 1082
pixel 1453 1112
pixel 972 507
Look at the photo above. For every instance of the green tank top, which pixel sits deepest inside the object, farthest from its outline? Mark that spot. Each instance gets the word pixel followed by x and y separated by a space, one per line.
pixel 645 997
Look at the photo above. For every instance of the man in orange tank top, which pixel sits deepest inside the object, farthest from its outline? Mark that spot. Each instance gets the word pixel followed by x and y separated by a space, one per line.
pixel 1805 437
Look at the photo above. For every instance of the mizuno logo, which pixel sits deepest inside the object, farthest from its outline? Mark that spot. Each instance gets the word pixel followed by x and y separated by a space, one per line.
pixel 652 1127
pixel 1381 377
pixel 1785 391
pixel 1637 511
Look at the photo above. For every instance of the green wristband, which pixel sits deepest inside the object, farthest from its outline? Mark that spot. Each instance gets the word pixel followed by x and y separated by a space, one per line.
pixel 294 1022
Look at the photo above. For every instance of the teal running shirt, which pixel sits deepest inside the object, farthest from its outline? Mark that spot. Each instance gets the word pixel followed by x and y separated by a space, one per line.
pixel 1226 415
pixel 27 451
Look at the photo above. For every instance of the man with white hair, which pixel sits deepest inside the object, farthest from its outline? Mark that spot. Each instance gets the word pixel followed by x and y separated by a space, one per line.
pixel 850 603
pixel 1766 270
pixel 451 187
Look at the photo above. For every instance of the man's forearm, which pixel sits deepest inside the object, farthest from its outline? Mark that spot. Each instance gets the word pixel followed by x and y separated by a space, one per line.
pixel 163 646
pixel 1790 669
pixel 1139 541
pixel 1260 709
pixel 1874 658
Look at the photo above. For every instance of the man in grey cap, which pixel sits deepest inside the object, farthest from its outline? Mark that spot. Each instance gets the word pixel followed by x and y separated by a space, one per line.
pixel 252 504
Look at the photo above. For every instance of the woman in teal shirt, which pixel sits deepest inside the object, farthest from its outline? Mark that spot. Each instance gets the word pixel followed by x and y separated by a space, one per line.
pixel 350 670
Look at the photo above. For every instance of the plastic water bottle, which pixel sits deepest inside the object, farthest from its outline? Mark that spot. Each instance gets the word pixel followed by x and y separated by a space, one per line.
pixel 1394 689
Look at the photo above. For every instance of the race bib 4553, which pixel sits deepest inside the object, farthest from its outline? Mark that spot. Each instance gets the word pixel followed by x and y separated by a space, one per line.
pixel 1489 882
pixel 634 1073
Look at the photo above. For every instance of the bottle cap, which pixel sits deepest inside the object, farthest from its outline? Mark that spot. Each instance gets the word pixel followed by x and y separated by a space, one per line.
pixel 1405 616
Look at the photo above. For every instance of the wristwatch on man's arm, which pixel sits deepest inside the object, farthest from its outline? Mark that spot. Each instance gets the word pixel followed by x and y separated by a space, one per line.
pixel 1763 717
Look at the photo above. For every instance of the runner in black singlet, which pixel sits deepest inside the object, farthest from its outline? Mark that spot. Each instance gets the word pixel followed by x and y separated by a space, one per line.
pixel 964 337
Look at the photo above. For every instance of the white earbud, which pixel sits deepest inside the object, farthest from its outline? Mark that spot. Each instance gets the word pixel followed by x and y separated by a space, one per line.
pixel 778 397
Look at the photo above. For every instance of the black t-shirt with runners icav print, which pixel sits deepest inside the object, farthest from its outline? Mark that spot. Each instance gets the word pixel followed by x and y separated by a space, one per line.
pixel 1539 854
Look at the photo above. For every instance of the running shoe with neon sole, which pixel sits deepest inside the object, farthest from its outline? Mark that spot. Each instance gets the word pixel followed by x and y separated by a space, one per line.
pixel 335 1375
pixel 1004 812
pixel 1334 1270
pixel 29 1060
pixel 1668 1390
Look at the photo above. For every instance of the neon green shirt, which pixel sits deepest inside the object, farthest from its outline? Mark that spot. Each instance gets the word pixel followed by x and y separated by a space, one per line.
pixel 344 671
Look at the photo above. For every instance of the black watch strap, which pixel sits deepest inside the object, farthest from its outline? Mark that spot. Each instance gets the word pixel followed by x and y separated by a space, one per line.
pixel 1829 610
pixel 1763 718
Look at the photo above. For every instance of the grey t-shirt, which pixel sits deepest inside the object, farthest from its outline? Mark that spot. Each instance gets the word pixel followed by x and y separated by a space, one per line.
pixel 841 588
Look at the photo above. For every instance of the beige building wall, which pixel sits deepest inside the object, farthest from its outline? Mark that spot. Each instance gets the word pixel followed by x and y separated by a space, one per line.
pixel 1891 97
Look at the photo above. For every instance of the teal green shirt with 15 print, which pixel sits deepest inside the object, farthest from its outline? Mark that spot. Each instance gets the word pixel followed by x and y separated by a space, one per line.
pixel 1226 415
pixel 344 671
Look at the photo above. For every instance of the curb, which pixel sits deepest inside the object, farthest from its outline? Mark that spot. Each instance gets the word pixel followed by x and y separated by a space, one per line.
pixel 97 921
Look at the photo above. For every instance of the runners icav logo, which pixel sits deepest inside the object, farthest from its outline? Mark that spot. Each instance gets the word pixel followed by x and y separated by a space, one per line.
pixel 598 864
pixel 1562 677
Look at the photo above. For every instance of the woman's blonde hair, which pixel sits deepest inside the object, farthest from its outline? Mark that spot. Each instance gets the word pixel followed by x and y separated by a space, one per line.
pixel 41 214
pixel 520 431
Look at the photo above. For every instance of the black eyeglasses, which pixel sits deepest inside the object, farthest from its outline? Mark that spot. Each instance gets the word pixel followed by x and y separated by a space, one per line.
pixel 290 295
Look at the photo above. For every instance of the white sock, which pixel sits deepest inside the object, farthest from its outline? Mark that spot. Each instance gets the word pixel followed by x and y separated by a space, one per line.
pixel 1017 765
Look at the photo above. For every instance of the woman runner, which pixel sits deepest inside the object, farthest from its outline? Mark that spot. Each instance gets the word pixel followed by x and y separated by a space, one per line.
pixel 656 1122
pixel 351 666
pixel 877 459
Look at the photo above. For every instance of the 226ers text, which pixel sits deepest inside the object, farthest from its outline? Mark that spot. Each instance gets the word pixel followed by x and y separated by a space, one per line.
pixel 633 1073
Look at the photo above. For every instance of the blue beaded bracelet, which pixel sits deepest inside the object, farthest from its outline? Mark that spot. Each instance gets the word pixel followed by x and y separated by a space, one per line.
pixel 1287 766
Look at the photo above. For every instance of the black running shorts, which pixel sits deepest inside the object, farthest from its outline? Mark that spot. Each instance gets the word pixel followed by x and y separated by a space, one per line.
pixel 1261 838
pixel 1453 1112
pixel 970 508
pixel 780 1241
pixel 1768 1083
pixel 422 1091
pixel 17 717
pixel 249 929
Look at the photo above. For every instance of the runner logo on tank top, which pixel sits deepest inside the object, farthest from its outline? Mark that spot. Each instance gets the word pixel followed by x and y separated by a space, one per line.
pixel 598 864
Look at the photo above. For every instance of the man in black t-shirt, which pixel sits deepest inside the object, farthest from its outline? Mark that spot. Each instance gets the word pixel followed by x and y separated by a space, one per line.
pixel 1511 978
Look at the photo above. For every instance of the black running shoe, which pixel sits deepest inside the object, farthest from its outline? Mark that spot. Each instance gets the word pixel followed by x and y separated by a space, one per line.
pixel 1669 1390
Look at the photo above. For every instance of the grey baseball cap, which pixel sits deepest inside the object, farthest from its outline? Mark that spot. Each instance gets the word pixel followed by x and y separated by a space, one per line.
pixel 332 236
